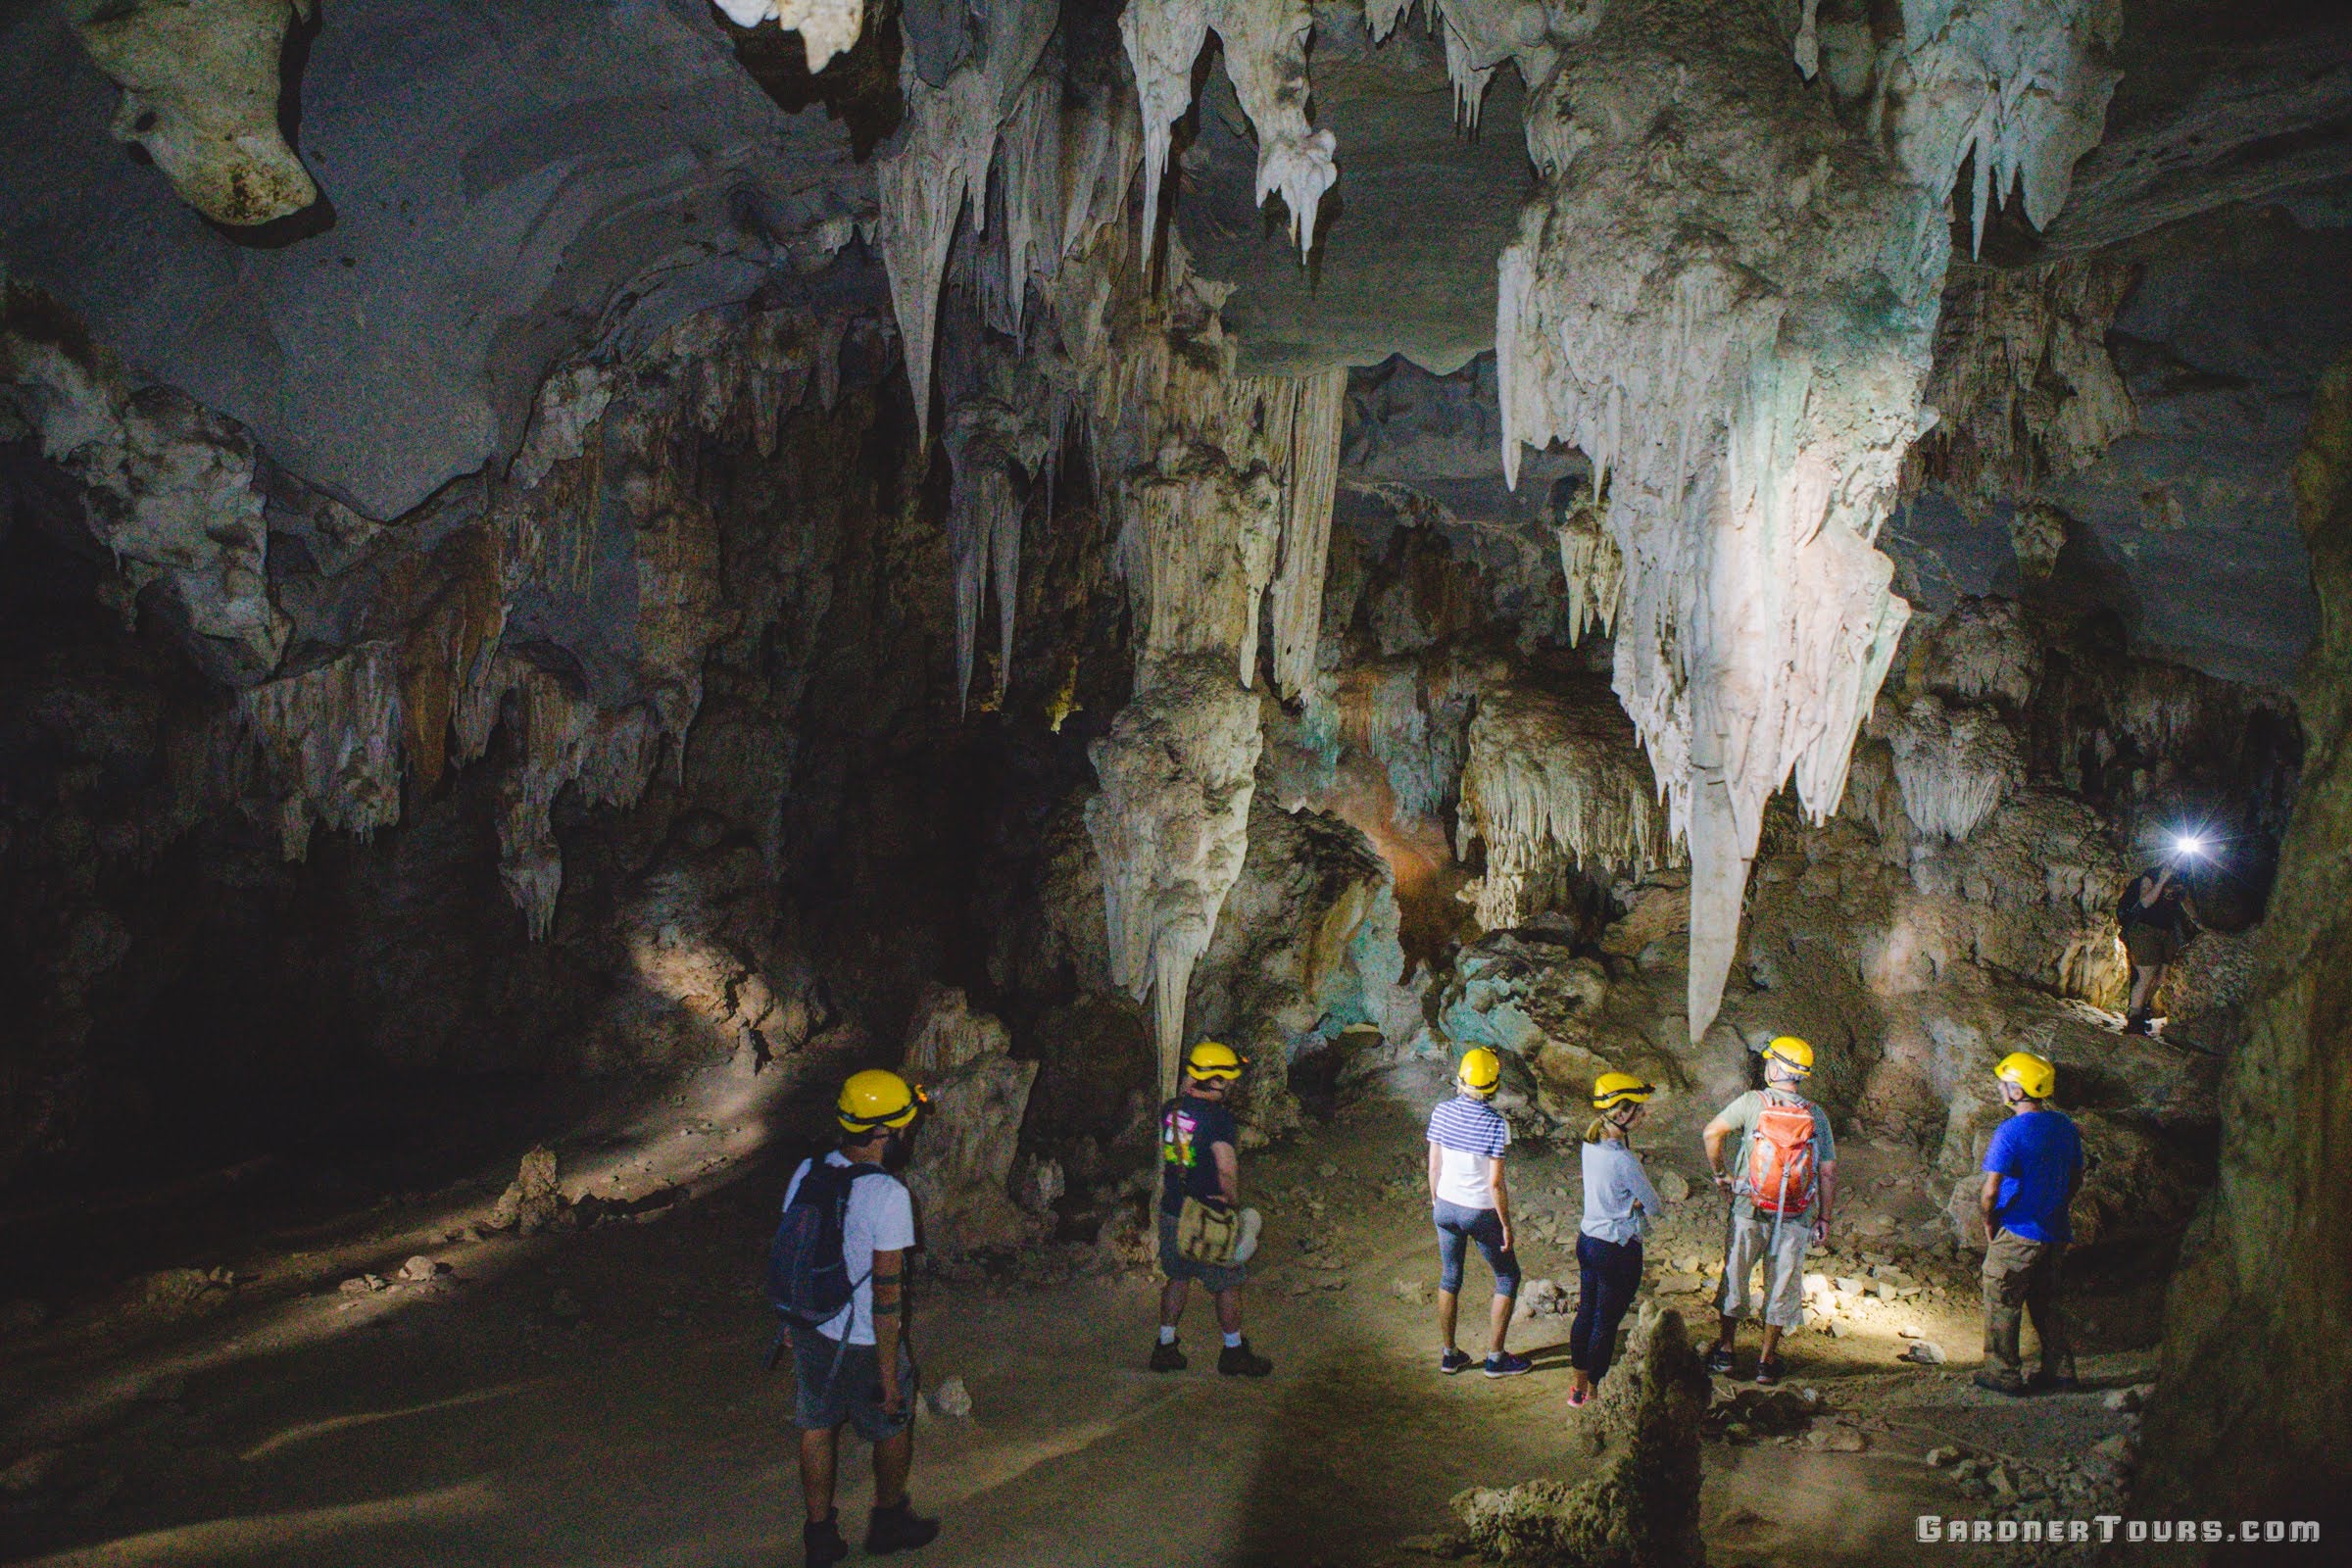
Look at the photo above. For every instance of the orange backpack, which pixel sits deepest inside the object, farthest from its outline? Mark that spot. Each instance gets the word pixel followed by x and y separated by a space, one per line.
pixel 1779 1158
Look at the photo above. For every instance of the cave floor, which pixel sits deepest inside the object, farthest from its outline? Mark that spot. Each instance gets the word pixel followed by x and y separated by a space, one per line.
pixel 597 1398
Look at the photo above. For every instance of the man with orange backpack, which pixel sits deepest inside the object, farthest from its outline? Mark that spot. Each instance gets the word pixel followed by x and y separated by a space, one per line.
pixel 1783 1185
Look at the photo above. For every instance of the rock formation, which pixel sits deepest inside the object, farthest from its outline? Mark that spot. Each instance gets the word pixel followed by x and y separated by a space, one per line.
pixel 1641 1509
pixel 961 1176
pixel 200 96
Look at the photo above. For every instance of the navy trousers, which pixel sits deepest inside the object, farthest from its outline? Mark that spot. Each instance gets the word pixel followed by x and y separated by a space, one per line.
pixel 1611 1272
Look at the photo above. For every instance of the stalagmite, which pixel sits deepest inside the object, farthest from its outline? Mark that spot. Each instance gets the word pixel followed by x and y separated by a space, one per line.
pixel 1265 59
pixel 827 28
pixel 1554 779
pixel 1170 827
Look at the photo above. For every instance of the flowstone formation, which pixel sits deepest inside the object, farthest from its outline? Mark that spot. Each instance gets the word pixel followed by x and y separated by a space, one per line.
pixel 963 1169
pixel 200 96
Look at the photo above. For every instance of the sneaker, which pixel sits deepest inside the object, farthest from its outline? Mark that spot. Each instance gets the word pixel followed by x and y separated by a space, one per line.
pixel 1508 1364
pixel 2057 1383
pixel 1453 1361
pixel 1718 1359
pixel 897 1529
pixel 2137 1026
pixel 1169 1357
pixel 2001 1382
pixel 1767 1371
pixel 1576 1396
pixel 1241 1361
pixel 822 1543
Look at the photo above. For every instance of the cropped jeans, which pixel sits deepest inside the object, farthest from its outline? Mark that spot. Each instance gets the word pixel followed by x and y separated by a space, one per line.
pixel 1457 1228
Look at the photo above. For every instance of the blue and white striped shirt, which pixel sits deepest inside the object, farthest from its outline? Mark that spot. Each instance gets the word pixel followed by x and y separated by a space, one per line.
pixel 1469 1132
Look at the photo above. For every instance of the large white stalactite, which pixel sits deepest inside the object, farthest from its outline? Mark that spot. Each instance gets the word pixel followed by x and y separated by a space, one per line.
pixel 1265 58
pixel 1727 303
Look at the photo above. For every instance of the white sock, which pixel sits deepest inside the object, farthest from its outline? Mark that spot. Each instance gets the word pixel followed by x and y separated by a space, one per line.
pixel 1167 1334
pixel 1233 1341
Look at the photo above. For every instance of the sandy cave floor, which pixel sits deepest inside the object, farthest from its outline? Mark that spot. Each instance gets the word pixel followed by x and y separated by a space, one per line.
pixel 478 1420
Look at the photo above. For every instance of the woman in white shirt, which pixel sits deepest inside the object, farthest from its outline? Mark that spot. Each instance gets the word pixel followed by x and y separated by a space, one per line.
pixel 1619 1205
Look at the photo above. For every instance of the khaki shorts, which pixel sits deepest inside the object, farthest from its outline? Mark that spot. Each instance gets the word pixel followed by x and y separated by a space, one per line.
pixel 2151 946
pixel 1748 1240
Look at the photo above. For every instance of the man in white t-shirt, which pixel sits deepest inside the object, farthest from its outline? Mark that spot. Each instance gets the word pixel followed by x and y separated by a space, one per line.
pixel 1470 1202
pixel 856 1368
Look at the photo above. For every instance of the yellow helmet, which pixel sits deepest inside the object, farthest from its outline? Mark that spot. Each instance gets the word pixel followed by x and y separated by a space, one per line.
pixel 1213 1058
pixel 2031 1074
pixel 1480 1072
pixel 1792 1054
pixel 877 1097
pixel 1613 1089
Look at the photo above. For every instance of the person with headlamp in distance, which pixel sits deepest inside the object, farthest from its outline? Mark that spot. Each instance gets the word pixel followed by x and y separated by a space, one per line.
pixel 2159 918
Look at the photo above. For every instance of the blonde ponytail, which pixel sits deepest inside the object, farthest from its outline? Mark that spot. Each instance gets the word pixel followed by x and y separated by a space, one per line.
pixel 1596 1129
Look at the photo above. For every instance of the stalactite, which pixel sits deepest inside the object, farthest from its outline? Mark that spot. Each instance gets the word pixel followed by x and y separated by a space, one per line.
pixel 1744 422
pixel 327 745
pixel 563 738
pixel 1265 59
pixel 2023 379
pixel 1178 769
pixel 1554 779
pixel 1316 403
pixel 827 28
pixel 943 155
pixel 1953 766
pixel 2018 87
pixel 1594 568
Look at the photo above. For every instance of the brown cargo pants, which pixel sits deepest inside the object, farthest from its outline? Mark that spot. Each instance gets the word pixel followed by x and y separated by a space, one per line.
pixel 2023 1276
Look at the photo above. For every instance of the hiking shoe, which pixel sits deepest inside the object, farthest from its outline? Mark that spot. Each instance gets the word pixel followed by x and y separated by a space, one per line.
pixel 2137 1026
pixel 1241 1361
pixel 1718 1359
pixel 2001 1382
pixel 1508 1364
pixel 1169 1357
pixel 822 1543
pixel 1453 1361
pixel 1767 1371
pixel 2057 1383
pixel 898 1529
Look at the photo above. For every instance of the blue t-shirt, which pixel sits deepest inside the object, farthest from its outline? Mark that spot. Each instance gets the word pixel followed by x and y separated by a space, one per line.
pixel 1188 1130
pixel 2036 1154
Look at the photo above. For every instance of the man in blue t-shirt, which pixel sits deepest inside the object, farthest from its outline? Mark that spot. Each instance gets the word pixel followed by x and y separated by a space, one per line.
pixel 2031 1170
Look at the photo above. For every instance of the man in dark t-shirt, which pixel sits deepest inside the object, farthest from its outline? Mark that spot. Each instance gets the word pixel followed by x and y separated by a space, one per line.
pixel 1200 1158
pixel 2158 919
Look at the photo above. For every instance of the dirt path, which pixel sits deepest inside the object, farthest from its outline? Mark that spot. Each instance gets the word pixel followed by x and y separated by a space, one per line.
pixel 596 1398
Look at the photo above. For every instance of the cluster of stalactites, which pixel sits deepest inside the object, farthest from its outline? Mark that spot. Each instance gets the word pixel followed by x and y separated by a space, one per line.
pixel 1170 828
pixel 331 744
pixel 2018 87
pixel 827 28
pixel 1265 58
pixel 1744 422
pixel 1594 568
pixel 1954 766
pixel 1554 779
